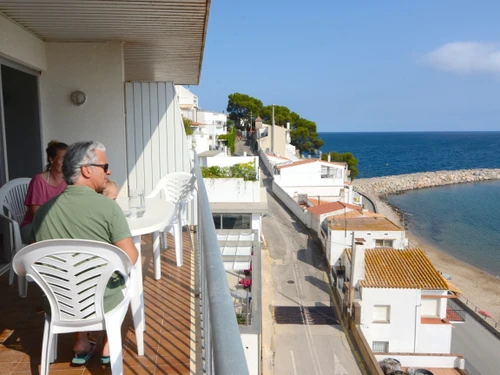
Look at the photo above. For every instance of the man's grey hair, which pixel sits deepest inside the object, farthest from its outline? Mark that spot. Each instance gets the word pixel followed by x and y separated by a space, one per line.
pixel 78 155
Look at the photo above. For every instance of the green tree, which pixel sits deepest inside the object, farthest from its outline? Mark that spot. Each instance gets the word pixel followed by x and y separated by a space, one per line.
pixel 303 132
pixel 346 157
pixel 304 135
pixel 241 106
pixel 187 125
pixel 231 139
pixel 282 115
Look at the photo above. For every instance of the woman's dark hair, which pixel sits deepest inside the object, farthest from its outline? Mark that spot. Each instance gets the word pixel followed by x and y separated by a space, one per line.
pixel 52 149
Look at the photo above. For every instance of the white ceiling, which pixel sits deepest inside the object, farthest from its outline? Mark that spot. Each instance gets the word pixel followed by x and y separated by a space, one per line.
pixel 163 39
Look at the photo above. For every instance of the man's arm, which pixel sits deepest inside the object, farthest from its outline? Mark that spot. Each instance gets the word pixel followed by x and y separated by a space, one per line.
pixel 127 245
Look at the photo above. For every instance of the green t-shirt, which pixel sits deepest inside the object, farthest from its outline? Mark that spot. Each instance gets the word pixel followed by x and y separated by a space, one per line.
pixel 80 213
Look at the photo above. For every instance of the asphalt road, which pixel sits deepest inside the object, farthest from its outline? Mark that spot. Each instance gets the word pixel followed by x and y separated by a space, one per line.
pixel 479 347
pixel 297 268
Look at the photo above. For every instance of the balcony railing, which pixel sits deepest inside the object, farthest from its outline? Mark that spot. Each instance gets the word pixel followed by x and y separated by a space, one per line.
pixel 222 349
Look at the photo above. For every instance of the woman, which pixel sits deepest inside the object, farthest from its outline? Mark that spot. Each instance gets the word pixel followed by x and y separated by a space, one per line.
pixel 44 186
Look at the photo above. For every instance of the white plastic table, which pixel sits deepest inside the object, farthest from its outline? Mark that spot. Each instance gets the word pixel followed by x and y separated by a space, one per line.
pixel 158 215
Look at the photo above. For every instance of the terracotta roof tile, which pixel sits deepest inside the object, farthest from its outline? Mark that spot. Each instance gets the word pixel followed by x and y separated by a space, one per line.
pixel 400 268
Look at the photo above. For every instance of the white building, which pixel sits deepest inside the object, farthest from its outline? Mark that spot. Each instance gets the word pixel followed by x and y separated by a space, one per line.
pixel 319 179
pixel 188 102
pixel 399 300
pixel 338 231
pixel 235 203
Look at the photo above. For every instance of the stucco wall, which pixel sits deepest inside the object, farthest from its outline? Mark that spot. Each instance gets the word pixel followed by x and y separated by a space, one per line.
pixel 308 175
pixel 21 46
pixel 400 333
pixel 232 190
pixel 341 239
pixel 97 70
pixel 434 338
pixel 290 203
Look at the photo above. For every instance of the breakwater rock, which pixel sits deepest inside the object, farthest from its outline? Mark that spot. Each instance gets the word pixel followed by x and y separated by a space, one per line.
pixel 379 186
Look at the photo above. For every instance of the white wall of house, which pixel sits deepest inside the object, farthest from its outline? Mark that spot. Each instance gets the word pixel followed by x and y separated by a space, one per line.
pixel 327 193
pixel 21 46
pixel 97 70
pixel 291 203
pixel 339 240
pixel 308 175
pixel 232 190
pixel 186 98
pixel 402 326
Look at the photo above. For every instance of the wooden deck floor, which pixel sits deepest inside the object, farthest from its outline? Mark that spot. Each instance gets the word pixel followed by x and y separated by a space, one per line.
pixel 168 340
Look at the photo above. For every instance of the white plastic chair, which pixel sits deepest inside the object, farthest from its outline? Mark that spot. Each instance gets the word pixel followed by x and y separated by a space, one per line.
pixel 177 188
pixel 12 211
pixel 73 274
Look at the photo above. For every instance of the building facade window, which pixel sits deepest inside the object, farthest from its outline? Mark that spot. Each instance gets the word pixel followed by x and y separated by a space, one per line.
pixel 380 346
pixel 384 243
pixel 232 221
pixel 381 314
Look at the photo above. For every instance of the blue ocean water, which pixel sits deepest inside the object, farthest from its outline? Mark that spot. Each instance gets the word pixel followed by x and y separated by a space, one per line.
pixel 463 219
pixel 386 154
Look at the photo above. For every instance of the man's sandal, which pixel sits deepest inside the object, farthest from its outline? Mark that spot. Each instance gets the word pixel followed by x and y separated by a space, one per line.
pixel 105 360
pixel 81 359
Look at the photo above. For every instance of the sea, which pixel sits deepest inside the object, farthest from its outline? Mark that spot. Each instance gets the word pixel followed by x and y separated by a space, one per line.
pixel 462 219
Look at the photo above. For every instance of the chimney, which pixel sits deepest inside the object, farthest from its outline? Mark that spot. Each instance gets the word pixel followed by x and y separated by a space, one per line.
pixel 358 260
pixel 357 267
pixel 329 157
pixel 287 126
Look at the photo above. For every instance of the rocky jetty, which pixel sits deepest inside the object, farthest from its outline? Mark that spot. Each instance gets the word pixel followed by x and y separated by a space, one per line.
pixel 380 186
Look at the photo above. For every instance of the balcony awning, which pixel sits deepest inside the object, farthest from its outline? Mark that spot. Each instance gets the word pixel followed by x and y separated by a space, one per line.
pixel 163 39
pixel 237 247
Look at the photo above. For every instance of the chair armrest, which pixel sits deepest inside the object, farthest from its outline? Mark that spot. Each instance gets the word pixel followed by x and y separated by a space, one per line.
pixel 18 243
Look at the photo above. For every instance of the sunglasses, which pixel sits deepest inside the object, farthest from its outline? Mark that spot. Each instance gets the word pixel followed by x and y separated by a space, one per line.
pixel 105 167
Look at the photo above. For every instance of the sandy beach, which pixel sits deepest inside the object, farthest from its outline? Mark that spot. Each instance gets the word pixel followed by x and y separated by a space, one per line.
pixel 477 286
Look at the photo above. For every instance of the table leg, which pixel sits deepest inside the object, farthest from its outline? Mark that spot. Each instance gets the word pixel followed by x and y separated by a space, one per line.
pixel 137 299
pixel 156 255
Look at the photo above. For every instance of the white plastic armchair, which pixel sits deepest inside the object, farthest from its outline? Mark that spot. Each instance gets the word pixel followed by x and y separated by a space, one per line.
pixel 73 274
pixel 12 211
pixel 177 188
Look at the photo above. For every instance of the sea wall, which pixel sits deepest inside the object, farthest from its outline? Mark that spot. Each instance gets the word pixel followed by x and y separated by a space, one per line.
pixel 379 186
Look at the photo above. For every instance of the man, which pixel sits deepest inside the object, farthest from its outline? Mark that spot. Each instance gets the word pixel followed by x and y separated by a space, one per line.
pixel 80 212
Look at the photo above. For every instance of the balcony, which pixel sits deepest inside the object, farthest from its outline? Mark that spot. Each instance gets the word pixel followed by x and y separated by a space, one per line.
pixel 169 340
pixel 190 326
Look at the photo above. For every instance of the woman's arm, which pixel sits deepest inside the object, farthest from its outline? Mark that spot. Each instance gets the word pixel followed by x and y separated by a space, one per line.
pixel 33 208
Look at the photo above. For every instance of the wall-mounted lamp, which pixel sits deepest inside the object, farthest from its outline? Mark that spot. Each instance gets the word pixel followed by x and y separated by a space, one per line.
pixel 78 97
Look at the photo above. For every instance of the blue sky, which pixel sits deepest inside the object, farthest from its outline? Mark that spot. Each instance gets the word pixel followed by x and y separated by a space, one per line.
pixel 359 65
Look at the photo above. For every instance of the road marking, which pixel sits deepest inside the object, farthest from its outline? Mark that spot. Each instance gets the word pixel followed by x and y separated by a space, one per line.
pixel 310 342
pixel 339 369
pixel 293 363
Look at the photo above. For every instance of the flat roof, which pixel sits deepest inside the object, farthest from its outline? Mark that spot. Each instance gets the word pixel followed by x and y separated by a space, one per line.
pixel 380 223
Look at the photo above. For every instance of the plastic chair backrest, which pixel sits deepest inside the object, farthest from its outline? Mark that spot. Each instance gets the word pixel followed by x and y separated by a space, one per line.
pixel 177 187
pixel 73 274
pixel 12 196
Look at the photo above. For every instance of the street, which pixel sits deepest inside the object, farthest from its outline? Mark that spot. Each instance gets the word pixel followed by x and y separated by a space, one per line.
pixel 297 268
